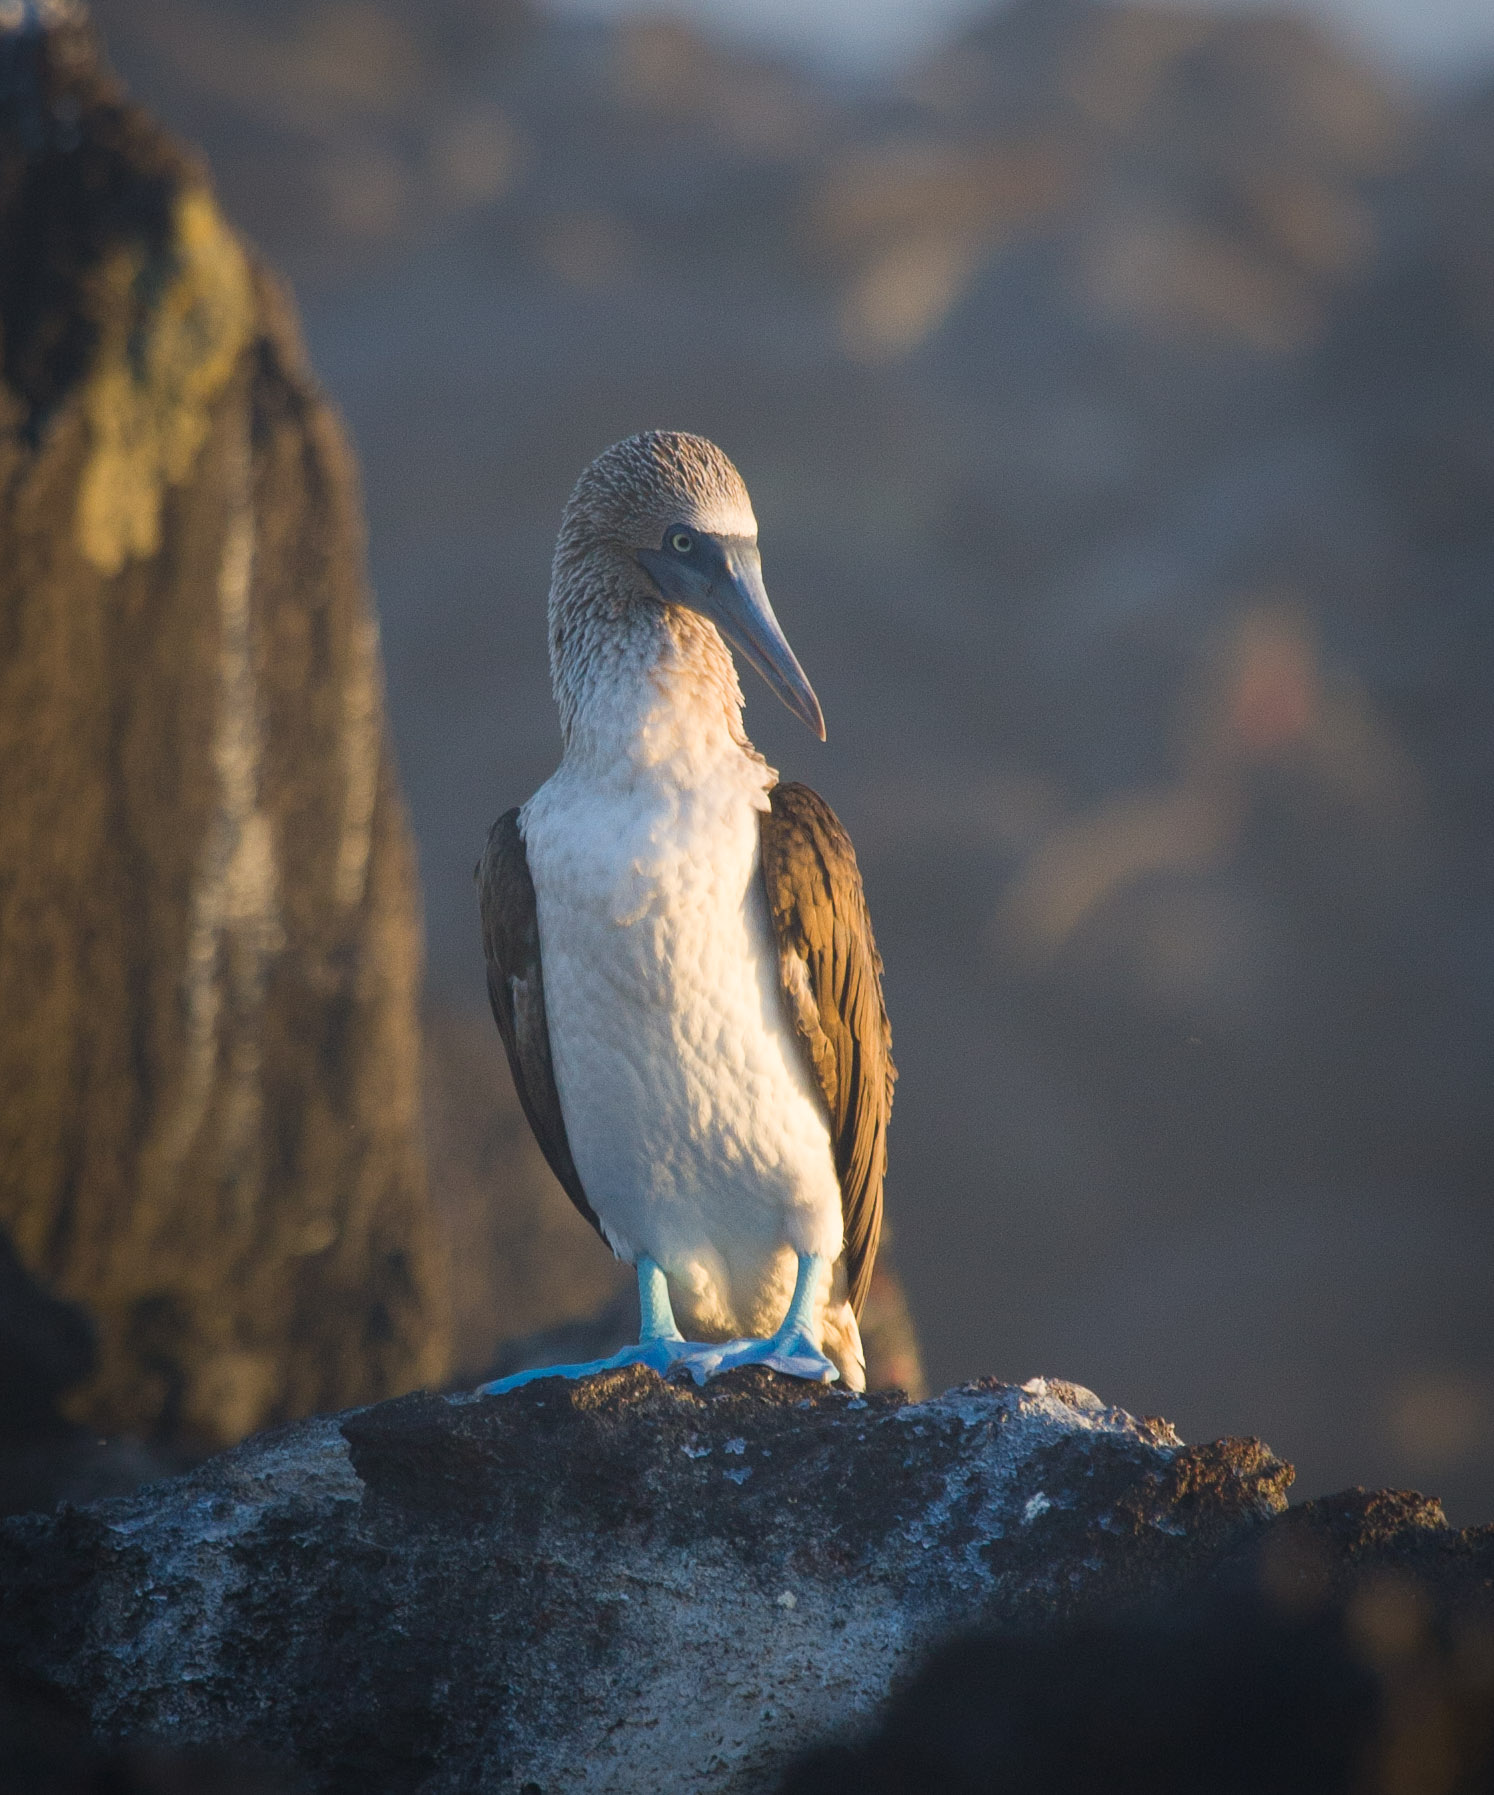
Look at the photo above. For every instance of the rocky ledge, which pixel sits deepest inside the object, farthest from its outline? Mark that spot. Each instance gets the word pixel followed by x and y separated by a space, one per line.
pixel 623 1584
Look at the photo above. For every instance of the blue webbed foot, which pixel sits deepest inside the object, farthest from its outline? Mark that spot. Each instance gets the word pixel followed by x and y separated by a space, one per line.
pixel 790 1351
pixel 660 1354
pixel 661 1346
pixel 795 1355
pixel 793 1349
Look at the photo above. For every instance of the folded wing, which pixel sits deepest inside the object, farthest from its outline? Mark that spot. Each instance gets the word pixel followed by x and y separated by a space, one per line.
pixel 516 989
pixel 832 986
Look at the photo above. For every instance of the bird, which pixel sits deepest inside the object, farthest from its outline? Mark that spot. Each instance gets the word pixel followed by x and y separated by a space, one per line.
pixel 679 955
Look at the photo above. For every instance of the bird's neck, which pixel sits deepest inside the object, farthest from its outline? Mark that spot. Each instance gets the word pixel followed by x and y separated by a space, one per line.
pixel 654 693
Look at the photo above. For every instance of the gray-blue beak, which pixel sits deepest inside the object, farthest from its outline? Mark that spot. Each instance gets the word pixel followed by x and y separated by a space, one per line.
pixel 721 577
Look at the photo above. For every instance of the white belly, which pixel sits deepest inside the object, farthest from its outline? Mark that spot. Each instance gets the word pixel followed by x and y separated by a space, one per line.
pixel 698 1133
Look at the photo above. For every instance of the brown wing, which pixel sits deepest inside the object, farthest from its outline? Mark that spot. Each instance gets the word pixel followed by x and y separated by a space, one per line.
pixel 516 988
pixel 832 986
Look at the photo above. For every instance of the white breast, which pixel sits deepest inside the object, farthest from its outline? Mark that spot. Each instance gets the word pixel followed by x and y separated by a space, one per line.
pixel 697 1131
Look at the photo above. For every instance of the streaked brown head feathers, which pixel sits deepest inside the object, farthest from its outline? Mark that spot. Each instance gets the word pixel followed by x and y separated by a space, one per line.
pixel 636 489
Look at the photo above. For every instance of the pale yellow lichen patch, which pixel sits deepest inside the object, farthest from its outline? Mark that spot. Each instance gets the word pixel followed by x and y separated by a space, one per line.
pixel 177 323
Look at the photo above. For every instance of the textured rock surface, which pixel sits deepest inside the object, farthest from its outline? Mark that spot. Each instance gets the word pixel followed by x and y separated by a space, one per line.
pixel 1345 1648
pixel 209 942
pixel 619 1585
pixel 45 1347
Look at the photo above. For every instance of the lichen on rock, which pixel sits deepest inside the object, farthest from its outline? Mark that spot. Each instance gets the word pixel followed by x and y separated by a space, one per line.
pixel 176 319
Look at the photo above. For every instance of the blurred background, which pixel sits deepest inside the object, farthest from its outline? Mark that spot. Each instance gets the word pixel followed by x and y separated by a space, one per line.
pixel 1115 386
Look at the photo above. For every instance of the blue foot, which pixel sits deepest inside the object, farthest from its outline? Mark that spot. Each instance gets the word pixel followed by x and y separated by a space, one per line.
pixel 794 1355
pixel 660 1355
pixel 791 1352
pixel 661 1346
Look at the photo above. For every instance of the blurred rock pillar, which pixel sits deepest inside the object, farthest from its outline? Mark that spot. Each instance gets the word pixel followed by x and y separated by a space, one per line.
pixel 209 929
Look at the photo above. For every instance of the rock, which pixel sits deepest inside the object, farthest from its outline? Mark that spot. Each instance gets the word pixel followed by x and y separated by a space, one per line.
pixel 1248 1685
pixel 46 1347
pixel 209 936
pixel 614 1585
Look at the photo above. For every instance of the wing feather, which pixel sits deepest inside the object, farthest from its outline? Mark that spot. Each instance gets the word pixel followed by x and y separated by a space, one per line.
pixel 832 987
pixel 516 989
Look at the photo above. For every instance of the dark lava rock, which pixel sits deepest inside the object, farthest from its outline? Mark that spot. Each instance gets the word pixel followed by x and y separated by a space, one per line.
pixel 1229 1691
pixel 616 1585
pixel 46 1347
pixel 1346 1646
pixel 209 937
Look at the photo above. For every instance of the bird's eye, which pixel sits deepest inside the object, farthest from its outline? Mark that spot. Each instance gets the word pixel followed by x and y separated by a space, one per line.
pixel 681 543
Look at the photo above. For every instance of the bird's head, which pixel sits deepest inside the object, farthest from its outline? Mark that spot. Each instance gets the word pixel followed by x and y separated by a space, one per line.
pixel 663 518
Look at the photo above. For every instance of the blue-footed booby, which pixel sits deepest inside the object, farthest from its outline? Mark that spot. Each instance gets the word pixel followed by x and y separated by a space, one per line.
pixel 680 959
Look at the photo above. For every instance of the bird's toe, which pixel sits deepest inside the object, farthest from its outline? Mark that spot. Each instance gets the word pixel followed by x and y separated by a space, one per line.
pixel 795 1355
pixel 659 1354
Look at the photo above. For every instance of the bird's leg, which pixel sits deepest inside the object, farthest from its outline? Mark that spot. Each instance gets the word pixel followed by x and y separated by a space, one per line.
pixel 794 1349
pixel 660 1343
pixel 655 1311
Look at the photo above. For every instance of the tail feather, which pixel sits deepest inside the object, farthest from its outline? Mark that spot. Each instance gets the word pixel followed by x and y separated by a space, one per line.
pixel 842 1345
